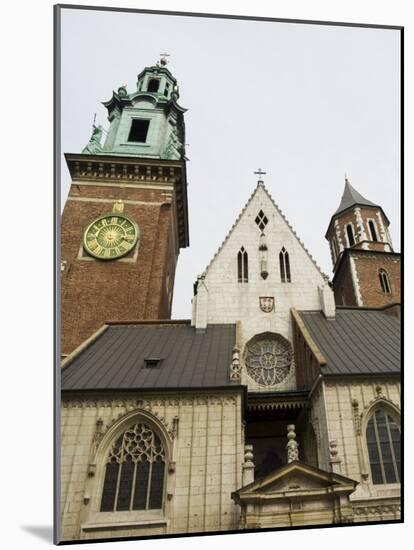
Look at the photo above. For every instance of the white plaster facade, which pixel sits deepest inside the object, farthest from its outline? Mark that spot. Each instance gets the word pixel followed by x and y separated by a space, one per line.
pixel 221 298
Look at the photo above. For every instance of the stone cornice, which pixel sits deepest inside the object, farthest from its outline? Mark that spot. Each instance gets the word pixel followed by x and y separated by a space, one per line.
pixel 277 401
pixel 104 168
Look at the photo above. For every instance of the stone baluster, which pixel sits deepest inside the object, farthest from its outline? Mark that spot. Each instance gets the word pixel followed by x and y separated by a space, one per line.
pixel 334 461
pixel 292 445
pixel 248 465
pixel 235 367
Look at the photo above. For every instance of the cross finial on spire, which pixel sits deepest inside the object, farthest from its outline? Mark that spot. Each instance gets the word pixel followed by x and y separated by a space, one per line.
pixel 164 59
pixel 260 173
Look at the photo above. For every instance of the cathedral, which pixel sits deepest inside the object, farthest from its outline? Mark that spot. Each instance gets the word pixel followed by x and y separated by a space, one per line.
pixel 276 405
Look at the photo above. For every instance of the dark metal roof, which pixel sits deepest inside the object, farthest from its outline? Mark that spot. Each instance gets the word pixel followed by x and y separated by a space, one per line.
pixel 189 358
pixel 356 341
pixel 351 197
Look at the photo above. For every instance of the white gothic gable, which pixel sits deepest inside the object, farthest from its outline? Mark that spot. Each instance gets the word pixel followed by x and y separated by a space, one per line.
pixel 260 305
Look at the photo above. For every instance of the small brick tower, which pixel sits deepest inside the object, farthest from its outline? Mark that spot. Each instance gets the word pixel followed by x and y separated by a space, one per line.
pixel 125 218
pixel 366 268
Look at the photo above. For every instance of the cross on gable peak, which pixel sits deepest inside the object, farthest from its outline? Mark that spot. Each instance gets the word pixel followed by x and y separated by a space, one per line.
pixel 260 173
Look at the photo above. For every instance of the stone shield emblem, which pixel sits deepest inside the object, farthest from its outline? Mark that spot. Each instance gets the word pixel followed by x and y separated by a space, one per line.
pixel 267 303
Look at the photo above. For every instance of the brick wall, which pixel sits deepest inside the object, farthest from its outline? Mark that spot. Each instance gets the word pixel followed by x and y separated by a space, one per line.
pixel 133 287
pixel 359 218
pixel 367 267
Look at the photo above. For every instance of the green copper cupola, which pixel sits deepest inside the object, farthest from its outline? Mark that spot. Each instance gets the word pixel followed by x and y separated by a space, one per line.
pixel 146 123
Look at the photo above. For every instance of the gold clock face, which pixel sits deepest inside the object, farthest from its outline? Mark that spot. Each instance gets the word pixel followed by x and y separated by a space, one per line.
pixel 110 237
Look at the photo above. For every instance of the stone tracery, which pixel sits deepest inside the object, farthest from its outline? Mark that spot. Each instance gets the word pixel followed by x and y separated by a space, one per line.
pixel 268 359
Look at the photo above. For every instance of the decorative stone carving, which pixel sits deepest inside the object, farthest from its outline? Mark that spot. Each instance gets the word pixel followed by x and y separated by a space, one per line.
pixel 333 449
pixel 139 443
pixel 379 509
pixel 174 148
pixel 149 404
pixel 122 91
pixel 235 366
pixel 292 445
pixel 263 256
pixel 94 146
pixel 175 423
pixel 118 206
pixel 267 303
pixel 268 359
pixel 356 416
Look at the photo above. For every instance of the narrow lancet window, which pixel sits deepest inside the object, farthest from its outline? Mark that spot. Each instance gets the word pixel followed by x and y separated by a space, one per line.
pixel 384 281
pixel 242 266
pixel 371 226
pixel 284 266
pixel 350 233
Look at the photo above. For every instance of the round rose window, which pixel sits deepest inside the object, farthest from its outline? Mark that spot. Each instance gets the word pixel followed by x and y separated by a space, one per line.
pixel 268 359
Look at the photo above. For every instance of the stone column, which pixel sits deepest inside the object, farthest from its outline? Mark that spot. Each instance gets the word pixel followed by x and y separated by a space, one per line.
pixel 248 465
pixel 292 445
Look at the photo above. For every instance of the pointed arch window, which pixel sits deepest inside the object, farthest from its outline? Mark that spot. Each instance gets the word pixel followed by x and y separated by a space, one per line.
pixel 384 448
pixel 350 234
pixel 284 266
pixel 372 230
pixel 242 266
pixel 384 281
pixel 135 471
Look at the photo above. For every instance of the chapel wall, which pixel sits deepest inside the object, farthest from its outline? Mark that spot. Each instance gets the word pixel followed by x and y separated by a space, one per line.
pixel 348 408
pixel 207 451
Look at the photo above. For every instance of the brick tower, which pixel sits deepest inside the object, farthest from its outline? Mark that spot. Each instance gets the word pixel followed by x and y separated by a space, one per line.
pixel 125 218
pixel 366 268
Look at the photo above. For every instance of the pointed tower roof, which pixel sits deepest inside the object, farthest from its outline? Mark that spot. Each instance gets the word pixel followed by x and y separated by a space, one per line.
pixel 351 197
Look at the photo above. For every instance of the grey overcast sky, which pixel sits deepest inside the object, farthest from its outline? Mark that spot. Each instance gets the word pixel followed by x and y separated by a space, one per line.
pixel 306 103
